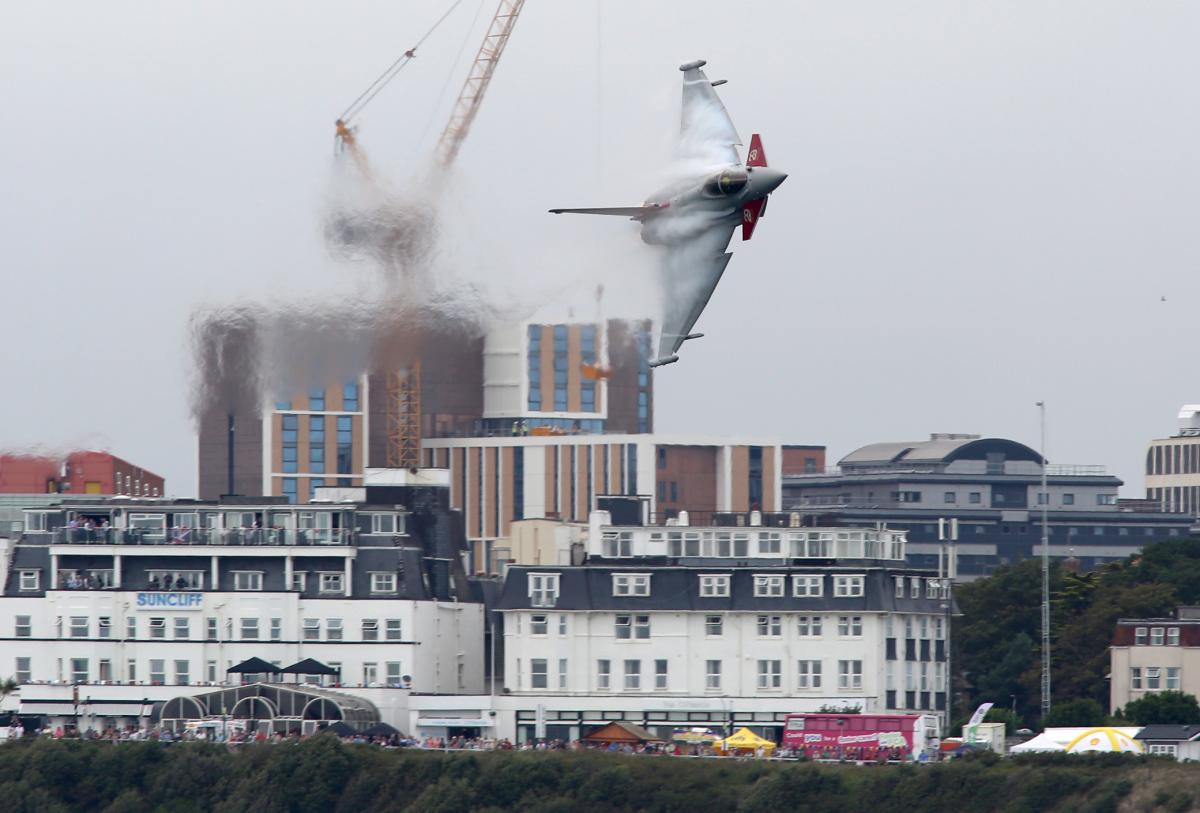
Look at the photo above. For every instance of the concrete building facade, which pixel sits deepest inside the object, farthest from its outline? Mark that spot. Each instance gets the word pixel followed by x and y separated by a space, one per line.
pixel 1154 655
pixel 1173 466
pixel 992 486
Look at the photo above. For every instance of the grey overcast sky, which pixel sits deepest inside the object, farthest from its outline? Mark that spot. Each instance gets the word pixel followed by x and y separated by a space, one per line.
pixel 987 202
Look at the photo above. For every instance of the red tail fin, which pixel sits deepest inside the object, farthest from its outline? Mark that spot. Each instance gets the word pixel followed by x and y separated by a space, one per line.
pixel 756 156
pixel 751 211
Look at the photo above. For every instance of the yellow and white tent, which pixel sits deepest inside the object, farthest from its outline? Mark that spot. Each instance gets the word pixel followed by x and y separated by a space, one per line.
pixel 745 740
pixel 1085 740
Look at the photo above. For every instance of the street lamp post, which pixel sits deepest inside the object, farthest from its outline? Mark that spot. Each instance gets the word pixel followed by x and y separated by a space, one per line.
pixel 1045 501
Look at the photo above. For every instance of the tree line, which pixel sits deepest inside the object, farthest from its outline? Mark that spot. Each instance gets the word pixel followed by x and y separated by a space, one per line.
pixel 324 775
pixel 997 639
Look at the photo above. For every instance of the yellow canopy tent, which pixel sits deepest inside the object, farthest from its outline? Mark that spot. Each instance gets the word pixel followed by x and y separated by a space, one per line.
pixel 745 740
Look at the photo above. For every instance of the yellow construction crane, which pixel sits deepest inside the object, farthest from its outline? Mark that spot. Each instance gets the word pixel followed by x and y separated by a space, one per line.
pixel 404 386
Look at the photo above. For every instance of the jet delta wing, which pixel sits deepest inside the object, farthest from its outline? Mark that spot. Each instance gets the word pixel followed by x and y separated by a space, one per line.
pixel 695 217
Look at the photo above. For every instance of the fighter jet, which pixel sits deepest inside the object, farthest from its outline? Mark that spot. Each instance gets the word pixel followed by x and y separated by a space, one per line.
pixel 694 218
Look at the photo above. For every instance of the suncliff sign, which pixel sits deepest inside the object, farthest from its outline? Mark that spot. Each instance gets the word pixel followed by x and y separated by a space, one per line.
pixel 170 601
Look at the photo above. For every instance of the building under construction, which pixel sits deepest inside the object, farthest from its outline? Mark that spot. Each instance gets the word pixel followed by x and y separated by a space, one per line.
pixel 430 379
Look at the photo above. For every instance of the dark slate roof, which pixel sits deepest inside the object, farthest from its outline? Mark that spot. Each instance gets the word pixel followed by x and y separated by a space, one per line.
pixel 1178 733
pixel 678 588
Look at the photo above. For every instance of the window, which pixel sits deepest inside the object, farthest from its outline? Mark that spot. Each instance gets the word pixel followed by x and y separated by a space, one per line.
pixel 182 672
pixel 79 670
pixel 906 496
pixel 1043 498
pixel 770 626
pixel 1135 678
pixel 332 583
pixel 850 626
pixel 949 497
pixel 1173 678
pixel 210 628
pixel 975 497
pixel 1068 499
pixel 808 674
pixel 633 676
pixel 249 629
pixel 770 675
pixel 1167 749
pixel 660 675
pixel 808 586
pixel 768 586
pixel 79 626
pixel 24 670
pixel 849 674
pixel 24 626
pixel 158 671
pixel 158 628
pixel 247 580
pixel 350 397
pixel 562 674
pixel 183 627
pixel 29 579
pixel 105 630
pixel 562 625
pixel 131 627
pixel 312 629
pixel 333 629
pixel 712 676
pixel 632 626
pixel 131 670
pixel 537 673
pixel 1172 636
pixel 543 589
pixel 539 624
pixel 847 586
pixel 1153 678
pixel 370 674
pixel 392 629
pixel 383 582
pixel 808 626
pixel 394 673
pixel 714 625
pixel 931 588
pixel 714 586
pixel 1139 636
pixel 299 582
pixel 617 544
pixel 1106 499
pixel 603 675
pixel 899 586
pixel 1156 636
pixel 387 524
pixel 634 584
pixel 770 543
pixel 370 629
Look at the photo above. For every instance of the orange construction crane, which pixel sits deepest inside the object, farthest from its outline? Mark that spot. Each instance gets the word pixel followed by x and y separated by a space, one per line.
pixel 404 386
pixel 474 89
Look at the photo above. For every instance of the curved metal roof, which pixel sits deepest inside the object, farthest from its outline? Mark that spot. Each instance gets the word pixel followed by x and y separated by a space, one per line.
pixel 266 701
pixel 938 449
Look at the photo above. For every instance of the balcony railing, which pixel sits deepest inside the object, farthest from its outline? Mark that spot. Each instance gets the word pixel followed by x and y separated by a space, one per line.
pixel 193 536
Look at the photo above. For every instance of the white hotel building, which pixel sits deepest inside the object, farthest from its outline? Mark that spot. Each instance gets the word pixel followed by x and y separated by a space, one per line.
pixel 675 626
pixel 112 601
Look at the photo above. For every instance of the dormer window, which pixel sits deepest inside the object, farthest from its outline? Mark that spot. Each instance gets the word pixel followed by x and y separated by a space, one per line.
pixel 543 589
pixel 714 586
pixel 631 584
pixel 768 586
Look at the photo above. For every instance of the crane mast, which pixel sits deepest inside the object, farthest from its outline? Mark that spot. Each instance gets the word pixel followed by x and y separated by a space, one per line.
pixel 404 386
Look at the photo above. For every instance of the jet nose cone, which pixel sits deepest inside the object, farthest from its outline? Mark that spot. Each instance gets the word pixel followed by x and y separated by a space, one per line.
pixel 769 178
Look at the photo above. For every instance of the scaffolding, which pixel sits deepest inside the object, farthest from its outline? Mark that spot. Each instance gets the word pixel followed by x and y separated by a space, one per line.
pixel 404 418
